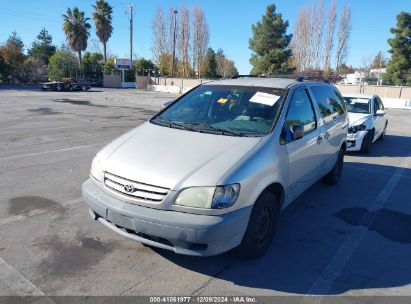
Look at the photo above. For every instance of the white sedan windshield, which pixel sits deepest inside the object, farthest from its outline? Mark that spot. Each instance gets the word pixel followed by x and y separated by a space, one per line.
pixel 358 105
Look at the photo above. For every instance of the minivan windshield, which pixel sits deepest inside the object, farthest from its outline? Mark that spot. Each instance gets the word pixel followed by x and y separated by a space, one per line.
pixel 225 110
pixel 358 105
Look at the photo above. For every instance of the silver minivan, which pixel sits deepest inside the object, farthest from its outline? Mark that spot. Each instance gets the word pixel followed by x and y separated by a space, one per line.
pixel 212 170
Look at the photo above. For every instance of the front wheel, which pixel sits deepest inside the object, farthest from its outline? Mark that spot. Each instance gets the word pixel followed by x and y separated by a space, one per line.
pixel 333 177
pixel 382 136
pixel 261 227
pixel 367 141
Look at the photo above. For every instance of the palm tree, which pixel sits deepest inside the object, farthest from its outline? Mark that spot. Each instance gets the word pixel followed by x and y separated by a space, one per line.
pixel 76 28
pixel 102 19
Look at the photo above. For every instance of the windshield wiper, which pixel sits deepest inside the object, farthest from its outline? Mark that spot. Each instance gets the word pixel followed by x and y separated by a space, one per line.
pixel 221 131
pixel 176 125
pixel 198 127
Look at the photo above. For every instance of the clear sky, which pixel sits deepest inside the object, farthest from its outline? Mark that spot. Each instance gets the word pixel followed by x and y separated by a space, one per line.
pixel 229 21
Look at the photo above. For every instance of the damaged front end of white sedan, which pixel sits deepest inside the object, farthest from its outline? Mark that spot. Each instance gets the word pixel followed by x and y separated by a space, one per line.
pixel 368 121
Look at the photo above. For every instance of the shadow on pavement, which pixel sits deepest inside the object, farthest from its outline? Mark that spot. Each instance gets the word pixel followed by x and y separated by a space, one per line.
pixel 389 147
pixel 312 230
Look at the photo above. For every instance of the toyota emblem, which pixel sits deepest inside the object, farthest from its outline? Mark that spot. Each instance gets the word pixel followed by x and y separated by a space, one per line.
pixel 129 188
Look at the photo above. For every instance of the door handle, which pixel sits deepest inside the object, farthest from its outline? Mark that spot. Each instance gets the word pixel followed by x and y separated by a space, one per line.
pixel 319 139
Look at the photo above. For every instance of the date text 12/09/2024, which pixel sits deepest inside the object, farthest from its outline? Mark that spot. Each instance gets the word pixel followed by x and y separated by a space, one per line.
pixel 203 299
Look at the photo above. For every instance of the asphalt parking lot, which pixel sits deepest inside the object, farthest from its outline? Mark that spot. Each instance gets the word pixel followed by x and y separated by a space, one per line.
pixel 354 238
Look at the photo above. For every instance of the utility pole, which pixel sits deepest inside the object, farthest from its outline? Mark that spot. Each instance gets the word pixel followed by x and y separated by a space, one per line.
pixel 131 12
pixel 174 44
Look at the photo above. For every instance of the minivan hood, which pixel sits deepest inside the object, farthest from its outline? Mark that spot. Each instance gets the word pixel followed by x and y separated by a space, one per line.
pixel 357 118
pixel 173 158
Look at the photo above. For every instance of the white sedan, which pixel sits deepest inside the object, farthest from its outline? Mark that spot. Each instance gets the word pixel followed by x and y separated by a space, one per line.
pixel 368 121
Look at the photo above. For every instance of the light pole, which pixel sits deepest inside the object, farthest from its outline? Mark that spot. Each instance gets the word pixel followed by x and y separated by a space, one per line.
pixel 174 44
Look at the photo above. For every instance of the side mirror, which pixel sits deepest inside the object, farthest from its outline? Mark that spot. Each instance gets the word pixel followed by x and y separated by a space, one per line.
pixel 298 131
pixel 166 104
pixel 380 113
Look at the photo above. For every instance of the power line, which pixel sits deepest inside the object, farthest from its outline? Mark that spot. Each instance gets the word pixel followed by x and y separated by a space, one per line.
pixel 27 15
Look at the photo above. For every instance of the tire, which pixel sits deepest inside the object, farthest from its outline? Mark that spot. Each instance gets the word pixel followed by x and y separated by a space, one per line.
pixel 333 177
pixel 367 141
pixel 261 227
pixel 382 136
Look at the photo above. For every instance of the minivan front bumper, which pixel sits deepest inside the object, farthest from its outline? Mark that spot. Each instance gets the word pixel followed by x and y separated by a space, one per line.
pixel 183 233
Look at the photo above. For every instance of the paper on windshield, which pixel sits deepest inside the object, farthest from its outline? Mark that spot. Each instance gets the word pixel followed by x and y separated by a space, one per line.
pixel 265 98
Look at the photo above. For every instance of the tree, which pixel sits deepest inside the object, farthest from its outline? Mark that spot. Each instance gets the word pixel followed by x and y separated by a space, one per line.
pixel 35 70
pixel 13 57
pixel 313 37
pixel 102 19
pixel 4 69
pixel 92 65
pixel 379 61
pixel 62 64
pixel 301 41
pixel 270 44
pixel 209 67
pixel 160 39
pixel 399 67
pixel 143 66
pixel 201 39
pixel 329 38
pixel 229 69
pixel 43 47
pixel 76 29
pixel 184 40
pixel 225 67
pixel 344 30
pixel 317 17
pixel 220 59
pixel 109 66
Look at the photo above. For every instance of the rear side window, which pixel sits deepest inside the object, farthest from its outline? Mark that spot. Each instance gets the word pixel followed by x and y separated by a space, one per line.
pixel 328 102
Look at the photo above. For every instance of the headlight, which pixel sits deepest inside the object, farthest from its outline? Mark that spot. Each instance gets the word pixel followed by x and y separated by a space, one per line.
pixel 356 129
pixel 209 197
pixel 96 170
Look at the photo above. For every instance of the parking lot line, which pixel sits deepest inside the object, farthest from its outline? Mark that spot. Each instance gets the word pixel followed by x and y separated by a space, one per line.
pixel 50 151
pixel 324 282
pixel 17 282
pixel 372 170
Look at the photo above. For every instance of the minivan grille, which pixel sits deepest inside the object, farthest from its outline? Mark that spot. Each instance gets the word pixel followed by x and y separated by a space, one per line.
pixel 134 189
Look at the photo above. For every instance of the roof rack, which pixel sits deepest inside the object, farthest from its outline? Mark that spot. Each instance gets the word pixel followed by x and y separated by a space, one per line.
pixel 312 78
pixel 245 76
pixel 288 76
pixel 297 77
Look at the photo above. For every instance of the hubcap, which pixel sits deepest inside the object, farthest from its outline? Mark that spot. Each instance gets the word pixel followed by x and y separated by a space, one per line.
pixel 263 226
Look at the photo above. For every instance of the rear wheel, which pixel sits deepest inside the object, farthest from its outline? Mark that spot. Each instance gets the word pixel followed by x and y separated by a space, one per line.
pixel 261 227
pixel 333 177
